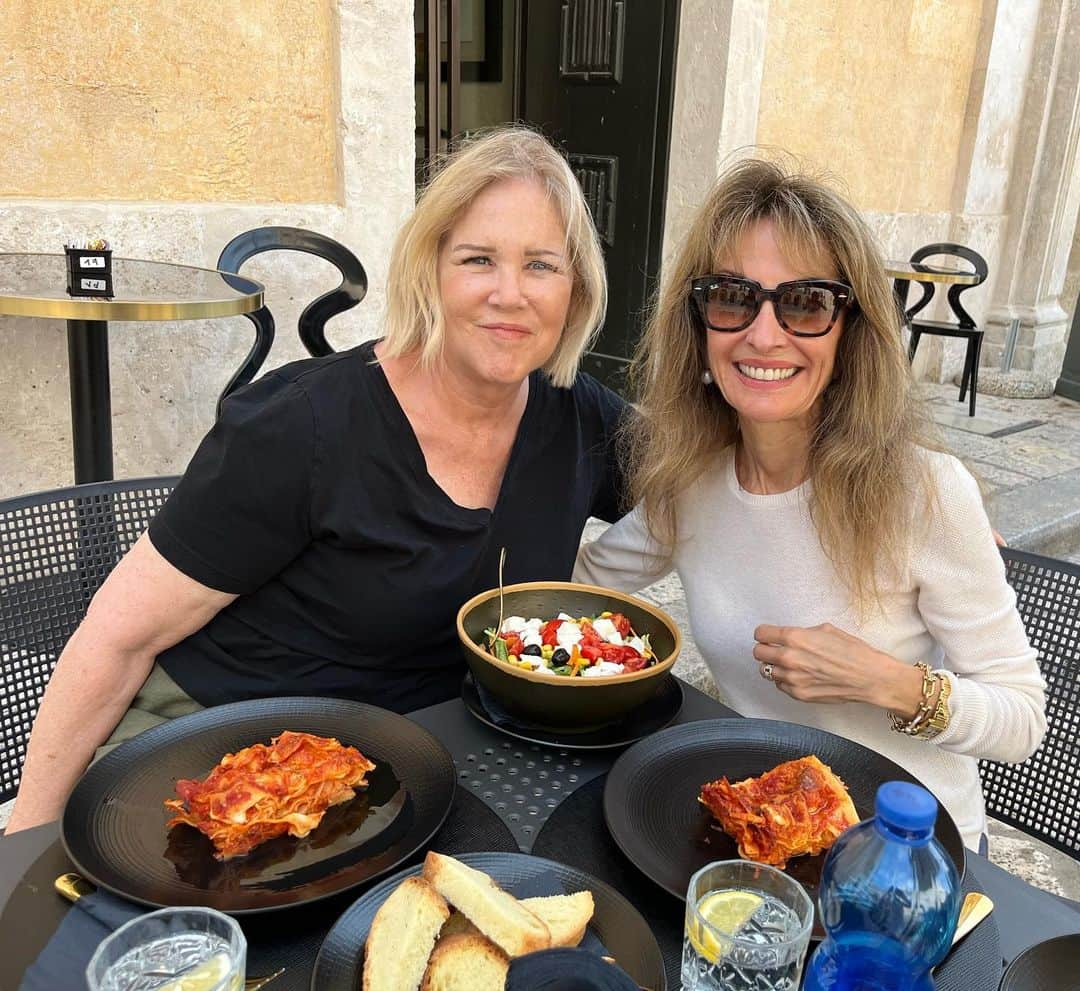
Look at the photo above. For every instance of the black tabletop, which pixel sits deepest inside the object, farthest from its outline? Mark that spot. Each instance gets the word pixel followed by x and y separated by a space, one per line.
pixel 510 794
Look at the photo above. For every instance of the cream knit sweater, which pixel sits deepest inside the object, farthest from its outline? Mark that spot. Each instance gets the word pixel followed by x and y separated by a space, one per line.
pixel 747 559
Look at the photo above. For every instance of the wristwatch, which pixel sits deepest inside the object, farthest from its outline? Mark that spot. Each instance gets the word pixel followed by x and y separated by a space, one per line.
pixel 939 719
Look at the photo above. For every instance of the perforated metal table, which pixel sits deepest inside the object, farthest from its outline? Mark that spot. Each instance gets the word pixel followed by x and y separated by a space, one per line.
pixel 526 786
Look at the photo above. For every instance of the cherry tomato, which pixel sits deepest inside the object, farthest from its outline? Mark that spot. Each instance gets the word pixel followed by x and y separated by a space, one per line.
pixel 514 644
pixel 549 632
pixel 621 623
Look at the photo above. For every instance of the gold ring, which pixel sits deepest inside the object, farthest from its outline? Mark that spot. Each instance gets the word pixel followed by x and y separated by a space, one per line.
pixel 766 672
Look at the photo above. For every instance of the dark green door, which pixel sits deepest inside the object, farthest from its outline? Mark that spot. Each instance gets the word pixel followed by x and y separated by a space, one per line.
pixel 597 77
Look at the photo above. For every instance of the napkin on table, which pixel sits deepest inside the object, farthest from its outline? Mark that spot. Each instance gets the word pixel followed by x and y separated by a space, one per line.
pixel 62 963
pixel 566 969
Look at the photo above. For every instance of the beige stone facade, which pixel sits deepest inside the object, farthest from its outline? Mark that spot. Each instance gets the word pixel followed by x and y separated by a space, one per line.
pixel 274 112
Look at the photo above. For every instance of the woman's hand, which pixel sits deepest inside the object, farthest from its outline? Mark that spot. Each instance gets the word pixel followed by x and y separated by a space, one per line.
pixel 824 664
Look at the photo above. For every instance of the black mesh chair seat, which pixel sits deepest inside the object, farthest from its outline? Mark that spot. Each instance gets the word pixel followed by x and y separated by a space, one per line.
pixel 1041 796
pixel 312 322
pixel 56 548
pixel 964 326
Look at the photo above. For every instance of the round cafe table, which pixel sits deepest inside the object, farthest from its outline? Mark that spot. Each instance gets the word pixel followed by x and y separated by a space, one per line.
pixel 921 272
pixel 35 285
pixel 928 276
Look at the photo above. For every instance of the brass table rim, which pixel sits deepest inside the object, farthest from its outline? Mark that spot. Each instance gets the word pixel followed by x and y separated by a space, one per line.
pixel 96 308
pixel 906 271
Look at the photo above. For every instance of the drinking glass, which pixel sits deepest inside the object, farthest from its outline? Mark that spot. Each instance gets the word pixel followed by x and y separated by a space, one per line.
pixel 175 949
pixel 747 929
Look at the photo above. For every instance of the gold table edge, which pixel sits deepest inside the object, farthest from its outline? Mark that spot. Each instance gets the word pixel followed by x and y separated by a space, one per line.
pixel 955 278
pixel 103 308
pixel 89 308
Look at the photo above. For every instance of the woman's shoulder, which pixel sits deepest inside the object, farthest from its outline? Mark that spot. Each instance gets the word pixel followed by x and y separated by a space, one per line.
pixel 323 385
pixel 953 507
pixel 589 400
pixel 592 392
pixel 946 474
pixel 318 374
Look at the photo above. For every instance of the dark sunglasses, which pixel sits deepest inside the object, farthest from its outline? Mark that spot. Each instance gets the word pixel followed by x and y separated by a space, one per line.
pixel 804 308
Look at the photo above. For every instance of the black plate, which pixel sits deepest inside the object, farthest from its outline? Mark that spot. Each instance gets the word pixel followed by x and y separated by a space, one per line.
pixel 652 811
pixel 1053 965
pixel 114 823
pixel 615 922
pixel 639 723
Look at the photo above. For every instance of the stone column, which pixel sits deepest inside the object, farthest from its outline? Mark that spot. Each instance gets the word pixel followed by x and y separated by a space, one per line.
pixel 1043 201
pixel 721 58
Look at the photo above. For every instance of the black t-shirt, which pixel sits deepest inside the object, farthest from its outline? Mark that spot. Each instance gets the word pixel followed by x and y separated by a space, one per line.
pixel 310 498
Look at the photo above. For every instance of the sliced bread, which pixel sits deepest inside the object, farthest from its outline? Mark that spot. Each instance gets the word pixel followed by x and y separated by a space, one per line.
pixel 566 916
pixel 466 962
pixel 402 935
pixel 498 915
pixel 457 923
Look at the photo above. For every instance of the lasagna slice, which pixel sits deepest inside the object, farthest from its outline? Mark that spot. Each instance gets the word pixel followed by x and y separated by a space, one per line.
pixel 263 791
pixel 799 807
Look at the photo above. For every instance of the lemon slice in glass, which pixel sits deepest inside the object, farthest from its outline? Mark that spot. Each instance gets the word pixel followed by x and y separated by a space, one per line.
pixel 726 912
pixel 207 976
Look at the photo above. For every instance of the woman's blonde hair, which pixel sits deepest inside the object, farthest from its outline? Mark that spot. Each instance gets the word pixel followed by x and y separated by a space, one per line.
pixel 863 455
pixel 414 318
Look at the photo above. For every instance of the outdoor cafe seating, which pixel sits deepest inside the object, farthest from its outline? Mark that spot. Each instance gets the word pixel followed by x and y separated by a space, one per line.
pixel 312 322
pixel 964 326
pixel 510 795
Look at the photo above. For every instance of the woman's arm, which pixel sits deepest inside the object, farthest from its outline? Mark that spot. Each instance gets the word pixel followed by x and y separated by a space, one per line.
pixel 145 606
pixel 998 703
pixel 624 557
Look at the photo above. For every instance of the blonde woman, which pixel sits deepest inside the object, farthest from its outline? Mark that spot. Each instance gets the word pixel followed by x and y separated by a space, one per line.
pixel 784 467
pixel 333 521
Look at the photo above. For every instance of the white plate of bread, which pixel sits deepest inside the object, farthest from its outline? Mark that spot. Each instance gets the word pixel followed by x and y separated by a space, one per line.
pixel 453 924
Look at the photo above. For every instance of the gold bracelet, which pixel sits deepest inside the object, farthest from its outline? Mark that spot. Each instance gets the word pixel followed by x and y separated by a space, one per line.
pixel 912 726
pixel 939 721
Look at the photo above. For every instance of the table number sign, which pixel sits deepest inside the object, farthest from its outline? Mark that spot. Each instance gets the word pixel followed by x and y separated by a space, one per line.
pixel 89 268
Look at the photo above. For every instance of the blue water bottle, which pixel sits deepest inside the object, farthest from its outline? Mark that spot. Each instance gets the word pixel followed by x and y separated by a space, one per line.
pixel 889 899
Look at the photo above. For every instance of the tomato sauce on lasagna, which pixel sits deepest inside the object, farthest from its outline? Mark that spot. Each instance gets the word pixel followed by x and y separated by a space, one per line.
pixel 799 807
pixel 264 791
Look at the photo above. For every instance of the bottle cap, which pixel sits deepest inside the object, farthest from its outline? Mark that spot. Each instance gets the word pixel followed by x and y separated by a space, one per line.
pixel 905 806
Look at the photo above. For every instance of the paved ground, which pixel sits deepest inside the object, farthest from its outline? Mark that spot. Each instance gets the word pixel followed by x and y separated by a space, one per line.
pixel 1030 470
pixel 1031 477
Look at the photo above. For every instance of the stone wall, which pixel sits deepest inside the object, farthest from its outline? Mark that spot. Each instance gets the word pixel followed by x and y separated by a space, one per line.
pixel 943 120
pixel 875 92
pixel 178 101
pixel 339 160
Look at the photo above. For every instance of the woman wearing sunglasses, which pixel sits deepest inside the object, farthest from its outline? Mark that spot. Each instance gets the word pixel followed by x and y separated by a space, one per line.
pixel 839 568
pixel 342 509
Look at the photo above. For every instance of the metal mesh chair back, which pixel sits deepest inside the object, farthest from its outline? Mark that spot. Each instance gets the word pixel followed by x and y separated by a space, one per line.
pixel 56 548
pixel 1041 796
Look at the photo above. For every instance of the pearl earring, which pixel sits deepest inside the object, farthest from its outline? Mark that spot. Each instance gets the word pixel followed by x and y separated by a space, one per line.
pixel 706 377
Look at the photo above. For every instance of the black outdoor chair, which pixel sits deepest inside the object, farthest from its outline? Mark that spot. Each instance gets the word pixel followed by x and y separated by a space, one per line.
pixel 312 323
pixel 1041 796
pixel 56 548
pixel 965 327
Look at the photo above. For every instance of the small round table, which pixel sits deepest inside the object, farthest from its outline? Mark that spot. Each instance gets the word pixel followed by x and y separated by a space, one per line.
pixel 903 273
pixel 35 285
pixel 920 272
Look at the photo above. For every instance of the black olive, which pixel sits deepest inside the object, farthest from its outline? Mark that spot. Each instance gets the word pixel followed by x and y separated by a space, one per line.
pixel 559 658
pixel 532 650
